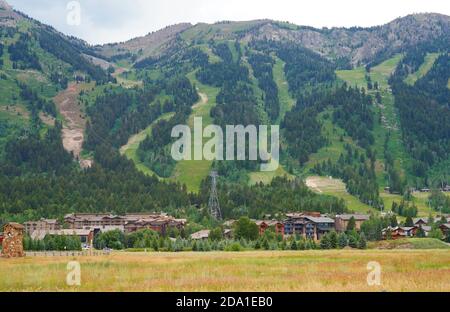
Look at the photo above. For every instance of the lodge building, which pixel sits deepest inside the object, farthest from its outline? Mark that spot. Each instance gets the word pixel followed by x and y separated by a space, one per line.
pixel 128 223
pixel 309 225
pixel 42 225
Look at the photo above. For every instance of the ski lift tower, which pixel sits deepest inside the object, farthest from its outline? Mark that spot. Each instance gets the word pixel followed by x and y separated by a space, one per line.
pixel 213 204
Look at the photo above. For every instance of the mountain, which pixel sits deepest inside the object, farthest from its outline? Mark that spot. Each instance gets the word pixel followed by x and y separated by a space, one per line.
pixel 367 106
pixel 360 45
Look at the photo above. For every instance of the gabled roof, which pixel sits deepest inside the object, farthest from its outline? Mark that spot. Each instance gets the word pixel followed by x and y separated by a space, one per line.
pixel 267 222
pixel 416 220
pixel 358 217
pixel 40 235
pixel 320 219
pixel 201 234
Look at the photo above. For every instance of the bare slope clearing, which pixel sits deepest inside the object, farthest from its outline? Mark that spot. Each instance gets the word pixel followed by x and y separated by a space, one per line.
pixel 74 120
pixel 335 187
pixel 130 149
pixel 192 172
pixel 430 59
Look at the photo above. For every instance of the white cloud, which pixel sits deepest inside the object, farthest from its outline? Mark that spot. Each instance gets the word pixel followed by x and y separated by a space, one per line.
pixel 119 20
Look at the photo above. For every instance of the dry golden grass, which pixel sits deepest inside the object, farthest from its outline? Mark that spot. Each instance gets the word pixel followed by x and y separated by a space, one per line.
pixel 343 270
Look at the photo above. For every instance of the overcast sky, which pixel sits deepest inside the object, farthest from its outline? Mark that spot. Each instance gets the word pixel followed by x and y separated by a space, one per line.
pixel 105 21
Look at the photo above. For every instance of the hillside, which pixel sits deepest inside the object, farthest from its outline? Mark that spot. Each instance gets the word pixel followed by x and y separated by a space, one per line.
pixel 357 45
pixel 37 63
pixel 368 107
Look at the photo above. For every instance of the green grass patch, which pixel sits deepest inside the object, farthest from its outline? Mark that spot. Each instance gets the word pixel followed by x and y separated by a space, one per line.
pixel 335 187
pixel 410 243
pixel 336 146
pixel 192 172
pixel 130 149
pixel 430 58
pixel 385 115
pixel 354 77
pixel 286 101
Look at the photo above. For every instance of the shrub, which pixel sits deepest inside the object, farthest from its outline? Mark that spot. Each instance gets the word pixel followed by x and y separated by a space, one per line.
pixel 235 247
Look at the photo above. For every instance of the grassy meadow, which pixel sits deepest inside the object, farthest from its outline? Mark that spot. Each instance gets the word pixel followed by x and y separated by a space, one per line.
pixel 338 270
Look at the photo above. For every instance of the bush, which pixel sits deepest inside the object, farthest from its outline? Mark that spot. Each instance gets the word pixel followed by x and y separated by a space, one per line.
pixel 235 247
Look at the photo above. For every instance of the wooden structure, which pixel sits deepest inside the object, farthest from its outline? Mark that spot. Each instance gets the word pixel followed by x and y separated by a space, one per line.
pixel 277 226
pixel 343 220
pixel 399 232
pixel 12 245
pixel 128 223
pixel 86 235
pixel 445 228
pixel 42 225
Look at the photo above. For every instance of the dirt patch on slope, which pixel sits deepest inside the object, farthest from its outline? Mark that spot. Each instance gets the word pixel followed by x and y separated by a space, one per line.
pixel 74 120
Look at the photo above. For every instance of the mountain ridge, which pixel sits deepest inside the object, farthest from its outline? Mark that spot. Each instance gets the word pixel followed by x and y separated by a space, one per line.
pixel 362 44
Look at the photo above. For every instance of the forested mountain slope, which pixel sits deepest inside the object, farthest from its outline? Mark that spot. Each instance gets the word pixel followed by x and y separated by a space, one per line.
pixel 369 106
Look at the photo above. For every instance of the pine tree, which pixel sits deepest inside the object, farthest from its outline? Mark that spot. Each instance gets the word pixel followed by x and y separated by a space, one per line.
pixel 409 222
pixel 155 244
pixel 393 220
pixel 362 243
pixel 353 241
pixel 325 242
pixel 430 220
pixel 302 244
pixel 420 233
pixel 351 224
pixel 333 240
pixel 266 244
pixel 294 245
pixel 342 240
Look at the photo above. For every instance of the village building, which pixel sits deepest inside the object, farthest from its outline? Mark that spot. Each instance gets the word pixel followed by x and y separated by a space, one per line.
pixel 229 223
pixel 426 229
pixel 201 235
pixel 445 228
pixel 12 244
pixel 86 236
pixel 228 233
pixel 128 223
pixel 161 224
pixel 399 232
pixel 82 220
pixel 41 225
pixel 341 221
pixel 263 225
pixel 420 221
pixel 309 225
pixel 204 234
